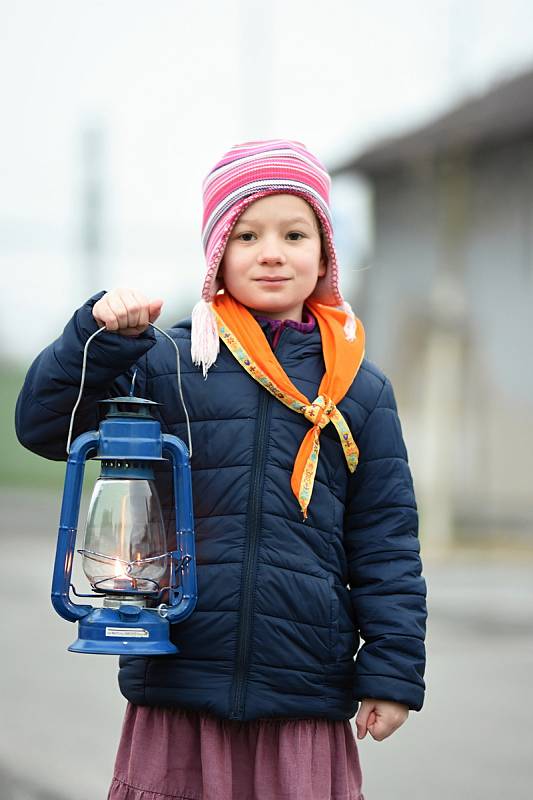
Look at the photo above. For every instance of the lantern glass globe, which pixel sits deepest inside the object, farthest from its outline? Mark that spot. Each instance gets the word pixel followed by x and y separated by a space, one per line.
pixel 125 544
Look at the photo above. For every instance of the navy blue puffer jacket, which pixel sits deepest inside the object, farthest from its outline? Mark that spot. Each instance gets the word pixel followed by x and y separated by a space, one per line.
pixel 282 603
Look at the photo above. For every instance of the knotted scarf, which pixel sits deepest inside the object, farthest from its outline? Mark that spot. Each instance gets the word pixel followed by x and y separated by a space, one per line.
pixel 245 339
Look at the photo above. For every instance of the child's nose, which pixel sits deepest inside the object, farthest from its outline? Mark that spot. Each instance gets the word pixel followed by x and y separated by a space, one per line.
pixel 271 252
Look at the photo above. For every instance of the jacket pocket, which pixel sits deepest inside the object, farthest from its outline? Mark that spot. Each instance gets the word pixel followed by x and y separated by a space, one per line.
pixel 344 639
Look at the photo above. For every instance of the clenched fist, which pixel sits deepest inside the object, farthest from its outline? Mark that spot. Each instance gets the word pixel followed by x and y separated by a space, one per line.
pixel 126 311
pixel 380 718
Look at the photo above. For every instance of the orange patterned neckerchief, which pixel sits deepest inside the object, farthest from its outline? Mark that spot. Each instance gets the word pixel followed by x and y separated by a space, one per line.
pixel 245 339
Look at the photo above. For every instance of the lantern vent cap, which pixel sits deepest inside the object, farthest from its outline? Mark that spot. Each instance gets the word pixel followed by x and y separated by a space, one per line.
pixel 128 407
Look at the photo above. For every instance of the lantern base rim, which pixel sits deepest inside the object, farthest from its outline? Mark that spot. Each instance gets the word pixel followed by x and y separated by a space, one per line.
pixel 128 630
pixel 125 647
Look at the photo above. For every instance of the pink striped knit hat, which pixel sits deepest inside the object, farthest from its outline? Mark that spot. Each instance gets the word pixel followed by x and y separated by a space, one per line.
pixel 246 173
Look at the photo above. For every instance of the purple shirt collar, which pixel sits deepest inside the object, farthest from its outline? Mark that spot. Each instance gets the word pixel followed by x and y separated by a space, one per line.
pixel 277 325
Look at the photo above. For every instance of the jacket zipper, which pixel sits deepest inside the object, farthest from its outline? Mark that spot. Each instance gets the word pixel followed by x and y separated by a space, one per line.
pixel 250 558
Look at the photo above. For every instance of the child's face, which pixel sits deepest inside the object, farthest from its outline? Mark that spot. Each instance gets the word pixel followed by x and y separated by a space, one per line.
pixel 273 260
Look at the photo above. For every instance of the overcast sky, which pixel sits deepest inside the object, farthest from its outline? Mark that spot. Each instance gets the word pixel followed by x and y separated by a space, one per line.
pixel 170 86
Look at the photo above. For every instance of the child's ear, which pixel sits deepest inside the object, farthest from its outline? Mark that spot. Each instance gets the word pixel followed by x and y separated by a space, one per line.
pixel 322 267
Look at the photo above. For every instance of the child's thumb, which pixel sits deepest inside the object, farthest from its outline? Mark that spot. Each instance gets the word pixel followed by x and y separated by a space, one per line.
pixel 361 721
pixel 155 309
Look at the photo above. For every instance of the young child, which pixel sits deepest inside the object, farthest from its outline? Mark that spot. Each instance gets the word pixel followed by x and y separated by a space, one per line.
pixel 306 523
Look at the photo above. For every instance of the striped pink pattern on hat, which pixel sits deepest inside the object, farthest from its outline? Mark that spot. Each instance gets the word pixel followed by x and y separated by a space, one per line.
pixel 253 170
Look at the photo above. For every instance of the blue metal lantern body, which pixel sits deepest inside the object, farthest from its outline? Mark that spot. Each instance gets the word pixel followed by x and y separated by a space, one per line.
pixel 128 442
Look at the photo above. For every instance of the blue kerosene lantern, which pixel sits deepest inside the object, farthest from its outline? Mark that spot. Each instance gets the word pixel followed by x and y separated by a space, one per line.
pixel 125 554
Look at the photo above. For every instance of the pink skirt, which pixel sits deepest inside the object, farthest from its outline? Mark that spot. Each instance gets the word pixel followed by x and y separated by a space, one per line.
pixel 173 754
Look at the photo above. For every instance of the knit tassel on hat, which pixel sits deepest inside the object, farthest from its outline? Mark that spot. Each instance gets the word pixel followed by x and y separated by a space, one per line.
pixel 204 337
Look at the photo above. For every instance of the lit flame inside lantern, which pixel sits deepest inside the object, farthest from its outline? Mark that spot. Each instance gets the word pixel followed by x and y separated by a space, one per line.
pixel 119 571
pixel 123 581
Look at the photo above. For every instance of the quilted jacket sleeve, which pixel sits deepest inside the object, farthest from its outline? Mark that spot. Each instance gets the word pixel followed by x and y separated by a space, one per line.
pixel 387 589
pixel 51 387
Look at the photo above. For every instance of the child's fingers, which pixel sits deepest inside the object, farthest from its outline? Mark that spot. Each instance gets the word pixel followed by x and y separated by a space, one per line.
pixel 144 315
pixel 116 314
pixel 138 310
pixel 137 307
pixel 105 315
pixel 381 728
pixel 384 724
pixel 131 331
pixel 133 308
pixel 148 310
pixel 378 731
pixel 127 311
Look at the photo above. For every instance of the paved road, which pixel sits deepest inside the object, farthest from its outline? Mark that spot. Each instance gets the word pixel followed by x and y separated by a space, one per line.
pixel 61 712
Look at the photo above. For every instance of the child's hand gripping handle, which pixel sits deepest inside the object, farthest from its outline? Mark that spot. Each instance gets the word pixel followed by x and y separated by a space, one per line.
pixel 126 311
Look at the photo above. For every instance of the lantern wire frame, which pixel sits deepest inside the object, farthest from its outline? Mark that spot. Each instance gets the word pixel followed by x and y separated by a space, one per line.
pixel 158 590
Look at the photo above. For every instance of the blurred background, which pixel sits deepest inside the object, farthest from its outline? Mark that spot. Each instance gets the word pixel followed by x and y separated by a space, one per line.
pixel 112 114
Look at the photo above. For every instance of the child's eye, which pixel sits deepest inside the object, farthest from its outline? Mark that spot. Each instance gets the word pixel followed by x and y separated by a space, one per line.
pixel 295 233
pixel 240 236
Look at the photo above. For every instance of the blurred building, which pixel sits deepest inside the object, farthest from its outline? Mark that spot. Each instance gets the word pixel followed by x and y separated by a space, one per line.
pixel 447 305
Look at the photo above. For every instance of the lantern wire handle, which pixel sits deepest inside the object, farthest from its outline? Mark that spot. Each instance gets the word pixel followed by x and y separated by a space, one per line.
pixel 132 386
pixel 83 368
pixel 178 369
pixel 82 382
